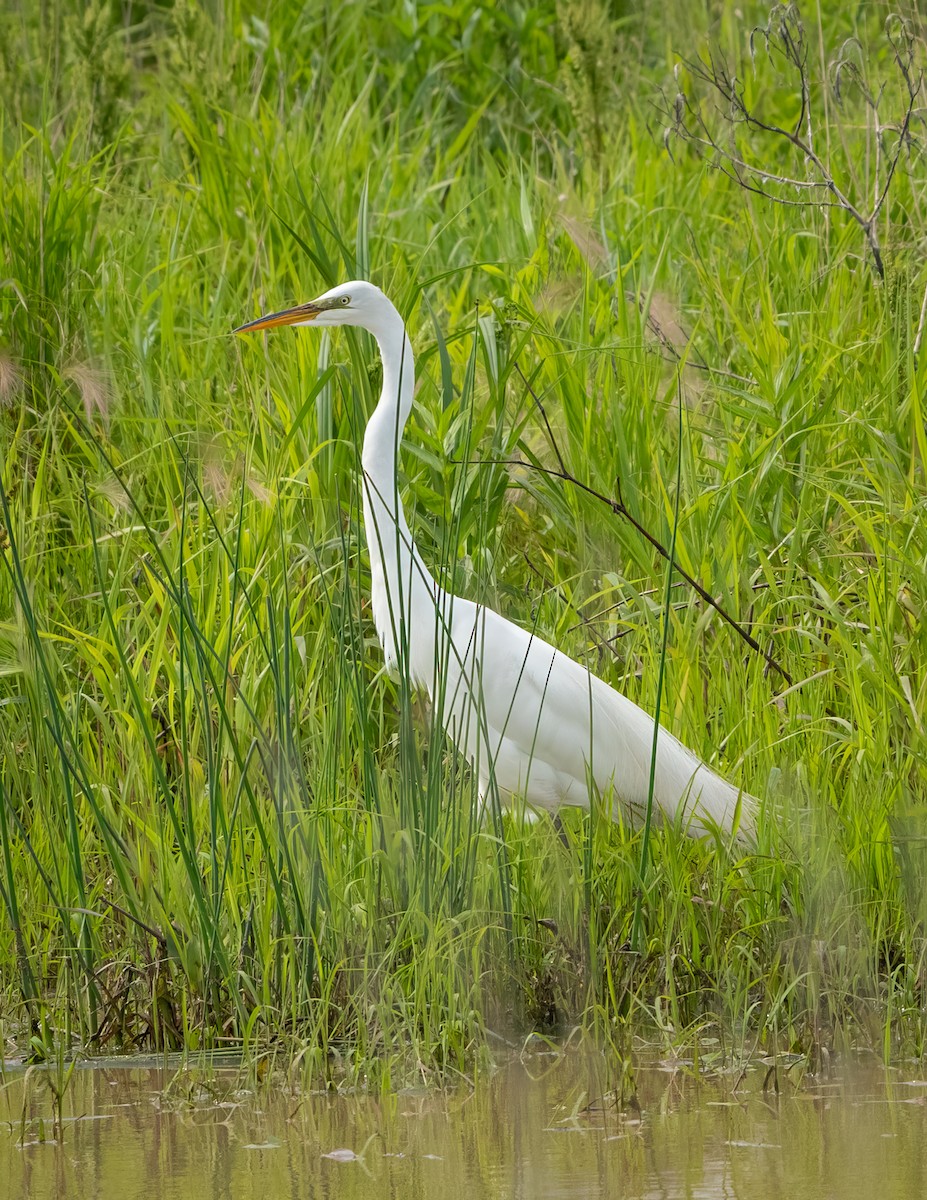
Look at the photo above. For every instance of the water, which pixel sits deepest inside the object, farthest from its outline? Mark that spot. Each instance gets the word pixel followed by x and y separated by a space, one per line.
pixel 537 1130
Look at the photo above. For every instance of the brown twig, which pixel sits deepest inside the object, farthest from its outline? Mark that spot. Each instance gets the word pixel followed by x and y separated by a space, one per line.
pixel 783 38
pixel 620 509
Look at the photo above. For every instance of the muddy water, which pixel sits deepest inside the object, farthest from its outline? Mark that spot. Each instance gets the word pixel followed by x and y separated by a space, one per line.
pixel 539 1129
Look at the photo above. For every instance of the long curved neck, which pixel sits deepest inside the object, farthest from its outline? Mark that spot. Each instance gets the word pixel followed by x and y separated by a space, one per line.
pixel 404 594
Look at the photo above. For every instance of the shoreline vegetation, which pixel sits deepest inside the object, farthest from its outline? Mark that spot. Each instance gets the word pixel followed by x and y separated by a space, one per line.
pixel 222 825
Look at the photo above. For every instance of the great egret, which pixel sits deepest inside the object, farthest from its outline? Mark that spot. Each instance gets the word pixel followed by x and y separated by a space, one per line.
pixel 531 721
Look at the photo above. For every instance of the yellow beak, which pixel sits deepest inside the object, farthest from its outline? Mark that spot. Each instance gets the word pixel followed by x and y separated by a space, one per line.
pixel 289 316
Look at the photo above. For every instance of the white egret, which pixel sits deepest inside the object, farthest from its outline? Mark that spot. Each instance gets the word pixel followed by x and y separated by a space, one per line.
pixel 532 722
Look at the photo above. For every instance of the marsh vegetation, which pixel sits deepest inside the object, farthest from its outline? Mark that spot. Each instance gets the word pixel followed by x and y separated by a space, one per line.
pixel 221 823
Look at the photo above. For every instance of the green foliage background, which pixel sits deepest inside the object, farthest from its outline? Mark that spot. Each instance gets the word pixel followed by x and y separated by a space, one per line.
pixel 220 824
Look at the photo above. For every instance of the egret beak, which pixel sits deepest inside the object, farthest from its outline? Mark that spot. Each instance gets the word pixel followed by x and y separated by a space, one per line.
pixel 289 316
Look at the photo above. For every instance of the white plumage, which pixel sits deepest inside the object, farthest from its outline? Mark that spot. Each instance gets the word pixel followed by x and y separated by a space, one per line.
pixel 531 721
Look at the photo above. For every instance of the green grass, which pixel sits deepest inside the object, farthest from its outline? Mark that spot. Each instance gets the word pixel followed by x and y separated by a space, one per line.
pixel 220 823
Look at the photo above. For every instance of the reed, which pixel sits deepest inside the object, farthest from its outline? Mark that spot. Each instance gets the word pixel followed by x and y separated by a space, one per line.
pixel 221 824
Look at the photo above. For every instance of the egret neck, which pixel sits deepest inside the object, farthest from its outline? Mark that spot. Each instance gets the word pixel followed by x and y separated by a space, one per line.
pixel 404 596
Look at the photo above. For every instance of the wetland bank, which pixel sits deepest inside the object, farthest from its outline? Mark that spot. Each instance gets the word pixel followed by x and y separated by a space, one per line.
pixel 223 826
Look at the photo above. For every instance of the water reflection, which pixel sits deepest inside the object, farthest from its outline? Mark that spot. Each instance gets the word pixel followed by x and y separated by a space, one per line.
pixel 537 1130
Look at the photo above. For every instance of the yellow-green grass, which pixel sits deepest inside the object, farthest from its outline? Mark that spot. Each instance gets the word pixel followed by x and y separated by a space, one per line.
pixel 220 822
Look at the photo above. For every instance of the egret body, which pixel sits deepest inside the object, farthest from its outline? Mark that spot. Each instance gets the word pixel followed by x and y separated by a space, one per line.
pixel 531 721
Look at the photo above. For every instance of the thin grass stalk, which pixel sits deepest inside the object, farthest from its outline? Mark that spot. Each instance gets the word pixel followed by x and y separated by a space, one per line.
pixel 8 890
pixel 82 948
pixel 643 870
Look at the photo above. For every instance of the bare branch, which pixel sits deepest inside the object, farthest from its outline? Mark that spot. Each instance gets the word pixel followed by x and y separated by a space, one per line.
pixel 730 132
pixel 619 508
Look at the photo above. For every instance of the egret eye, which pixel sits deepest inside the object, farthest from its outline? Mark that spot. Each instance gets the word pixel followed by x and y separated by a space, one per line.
pixel 345 299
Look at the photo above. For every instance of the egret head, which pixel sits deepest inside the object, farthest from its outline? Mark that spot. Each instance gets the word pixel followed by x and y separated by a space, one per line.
pixel 357 303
